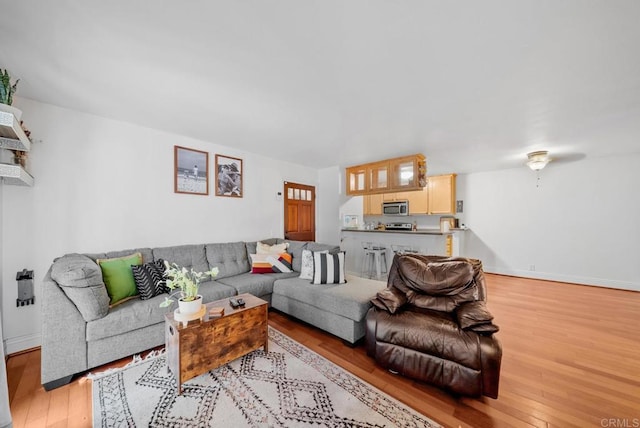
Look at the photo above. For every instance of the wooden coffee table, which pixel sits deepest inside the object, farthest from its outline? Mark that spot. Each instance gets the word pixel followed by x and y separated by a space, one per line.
pixel 206 344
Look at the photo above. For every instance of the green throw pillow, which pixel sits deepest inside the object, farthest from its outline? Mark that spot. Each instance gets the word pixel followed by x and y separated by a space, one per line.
pixel 118 277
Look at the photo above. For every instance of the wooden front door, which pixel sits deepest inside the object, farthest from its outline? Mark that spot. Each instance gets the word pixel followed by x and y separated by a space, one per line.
pixel 299 212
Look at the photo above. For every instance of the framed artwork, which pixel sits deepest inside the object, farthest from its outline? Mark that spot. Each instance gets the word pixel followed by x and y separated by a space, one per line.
pixel 191 171
pixel 350 222
pixel 228 176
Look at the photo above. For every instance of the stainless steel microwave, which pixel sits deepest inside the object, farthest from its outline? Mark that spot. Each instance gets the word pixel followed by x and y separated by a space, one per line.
pixel 395 208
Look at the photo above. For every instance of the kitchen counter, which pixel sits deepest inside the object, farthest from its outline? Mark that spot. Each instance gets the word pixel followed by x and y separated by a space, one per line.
pixel 405 232
pixel 423 241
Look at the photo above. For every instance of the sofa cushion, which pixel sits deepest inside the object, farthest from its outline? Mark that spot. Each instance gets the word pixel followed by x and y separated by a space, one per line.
pixel 328 268
pixel 306 265
pixel 314 246
pixel 258 285
pixel 118 276
pixel 252 245
pixel 81 280
pixel 189 256
pixel 295 248
pixel 280 263
pixel 262 248
pixel 270 263
pixel 136 314
pixel 230 258
pixel 350 300
pixel 150 280
pixel 147 254
pixel 436 278
pixel 215 290
pixel 127 316
pixel 260 264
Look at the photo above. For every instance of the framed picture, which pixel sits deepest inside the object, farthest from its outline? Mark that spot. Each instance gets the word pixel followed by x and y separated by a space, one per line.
pixel 228 176
pixel 350 221
pixel 191 171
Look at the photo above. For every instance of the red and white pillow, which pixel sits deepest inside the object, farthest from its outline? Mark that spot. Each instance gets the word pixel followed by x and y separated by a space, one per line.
pixel 271 263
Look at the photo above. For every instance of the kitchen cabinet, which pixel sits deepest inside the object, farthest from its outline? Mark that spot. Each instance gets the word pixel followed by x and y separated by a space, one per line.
pixel 442 194
pixel 398 174
pixel 373 204
pixel 379 177
pixel 408 173
pixel 438 197
pixel 389 197
pixel 418 201
pixel 356 180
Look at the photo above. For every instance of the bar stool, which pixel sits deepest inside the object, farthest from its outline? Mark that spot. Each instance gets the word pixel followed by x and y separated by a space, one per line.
pixel 374 255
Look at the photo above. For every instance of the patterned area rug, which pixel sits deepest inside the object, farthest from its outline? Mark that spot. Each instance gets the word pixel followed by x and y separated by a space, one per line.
pixel 290 386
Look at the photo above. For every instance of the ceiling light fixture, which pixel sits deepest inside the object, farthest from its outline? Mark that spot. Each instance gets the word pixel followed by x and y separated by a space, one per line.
pixel 538 160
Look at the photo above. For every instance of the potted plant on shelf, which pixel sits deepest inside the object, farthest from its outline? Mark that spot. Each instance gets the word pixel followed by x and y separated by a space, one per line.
pixel 6 88
pixel 186 282
pixel 6 93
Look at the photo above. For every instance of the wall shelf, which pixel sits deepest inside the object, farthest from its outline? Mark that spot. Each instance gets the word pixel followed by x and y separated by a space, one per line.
pixel 15 175
pixel 11 134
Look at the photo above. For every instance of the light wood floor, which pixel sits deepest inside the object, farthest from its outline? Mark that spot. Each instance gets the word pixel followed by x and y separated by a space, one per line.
pixel 571 359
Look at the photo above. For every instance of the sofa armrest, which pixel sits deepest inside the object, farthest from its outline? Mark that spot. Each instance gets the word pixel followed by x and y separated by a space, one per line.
pixel 64 348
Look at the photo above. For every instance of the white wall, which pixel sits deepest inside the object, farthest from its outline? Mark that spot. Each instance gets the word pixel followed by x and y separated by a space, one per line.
pixel 581 225
pixel 104 185
pixel 328 201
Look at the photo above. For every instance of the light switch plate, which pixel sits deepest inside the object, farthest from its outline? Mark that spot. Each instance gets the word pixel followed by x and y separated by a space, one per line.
pixel 458 206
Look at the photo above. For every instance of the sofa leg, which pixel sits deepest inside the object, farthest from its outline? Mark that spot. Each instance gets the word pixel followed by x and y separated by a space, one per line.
pixel 57 383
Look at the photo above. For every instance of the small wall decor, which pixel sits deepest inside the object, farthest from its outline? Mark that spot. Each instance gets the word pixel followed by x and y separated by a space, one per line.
pixel 191 171
pixel 350 222
pixel 228 176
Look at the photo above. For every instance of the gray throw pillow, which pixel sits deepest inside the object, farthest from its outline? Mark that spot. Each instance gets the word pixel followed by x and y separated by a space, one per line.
pixel 81 280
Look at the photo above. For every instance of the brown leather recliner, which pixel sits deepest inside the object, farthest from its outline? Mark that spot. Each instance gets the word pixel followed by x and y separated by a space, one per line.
pixel 431 324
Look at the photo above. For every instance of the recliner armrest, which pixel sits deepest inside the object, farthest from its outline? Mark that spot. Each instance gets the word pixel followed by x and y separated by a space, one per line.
pixel 390 299
pixel 476 317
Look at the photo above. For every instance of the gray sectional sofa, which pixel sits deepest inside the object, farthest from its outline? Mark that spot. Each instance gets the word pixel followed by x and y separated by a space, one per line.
pixel 80 331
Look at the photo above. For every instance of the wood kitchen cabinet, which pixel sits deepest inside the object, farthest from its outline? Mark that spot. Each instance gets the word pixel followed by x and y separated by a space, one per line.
pixel 408 173
pixel 356 180
pixel 378 176
pixel 438 197
pixel 372 204
pixel 418 201
pixel 399 174
pixel 441 194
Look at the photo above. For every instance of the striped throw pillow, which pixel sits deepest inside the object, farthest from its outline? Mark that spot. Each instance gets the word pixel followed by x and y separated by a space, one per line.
pixel 328 268
pixel 270 263
pixel 149 278
pixel 280 263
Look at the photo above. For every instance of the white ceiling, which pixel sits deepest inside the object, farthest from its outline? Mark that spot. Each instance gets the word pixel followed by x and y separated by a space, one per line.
pixel 474 85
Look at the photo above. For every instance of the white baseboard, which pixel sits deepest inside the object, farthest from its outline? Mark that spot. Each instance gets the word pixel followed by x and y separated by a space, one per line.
pixel 20 343
pixel 598 282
